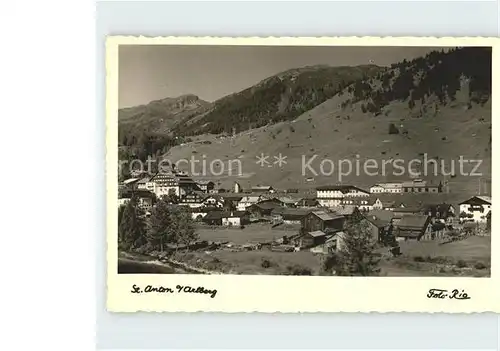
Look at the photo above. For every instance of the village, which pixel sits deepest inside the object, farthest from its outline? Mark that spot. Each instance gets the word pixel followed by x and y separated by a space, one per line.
pixel 264 225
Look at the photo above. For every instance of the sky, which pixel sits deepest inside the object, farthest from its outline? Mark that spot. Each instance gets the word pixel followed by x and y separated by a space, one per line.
pixel 152 72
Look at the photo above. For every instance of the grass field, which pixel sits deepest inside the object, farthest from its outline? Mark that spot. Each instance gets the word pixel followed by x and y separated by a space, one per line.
pixel 253 233
pixel 474 248
pixel 470 257
pixel 417 259
pixel 251 262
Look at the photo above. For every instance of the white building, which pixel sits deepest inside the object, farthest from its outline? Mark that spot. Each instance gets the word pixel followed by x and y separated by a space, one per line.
pixel 237 188
pixel 143 184
pixel 477 208
pixel 233 218
pixel 213 201
pixel 332 195
pixel 362 203
pixel 122 202
pixel 247 201
pixel 164 184
pixel 205 186
pixel 387 188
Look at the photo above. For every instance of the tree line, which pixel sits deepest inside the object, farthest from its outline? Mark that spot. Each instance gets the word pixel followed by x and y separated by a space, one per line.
pixel 167 224
pixel 439 74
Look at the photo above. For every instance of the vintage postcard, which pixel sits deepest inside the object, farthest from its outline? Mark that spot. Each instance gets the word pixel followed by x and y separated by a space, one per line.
pixel 302 174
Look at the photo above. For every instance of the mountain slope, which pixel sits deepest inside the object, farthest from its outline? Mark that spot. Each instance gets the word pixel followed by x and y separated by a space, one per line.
pixel 451 119
pixel 279 98
pixel 161 115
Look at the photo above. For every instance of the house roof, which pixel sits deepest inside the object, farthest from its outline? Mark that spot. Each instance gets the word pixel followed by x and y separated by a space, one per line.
pixel 267 205
pixel 413 221
pixel 325 216
pixel 316 234
pixel 344 210
pixel 127 194
pixel 251 198
pixel 377 221
pixel 202 209
pixel 290 213
pixel 477 200
pixel 203 181
pixel 382 215
pixel 309 201
pixel 231 197
pixel 143 180
pixel 407 210
pixel 342 188
pixel 287 200
pixel 262 187
pixel 213 215
pixel 415 184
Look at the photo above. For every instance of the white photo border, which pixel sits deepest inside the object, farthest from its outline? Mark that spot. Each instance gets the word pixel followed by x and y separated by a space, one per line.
pixel 289 294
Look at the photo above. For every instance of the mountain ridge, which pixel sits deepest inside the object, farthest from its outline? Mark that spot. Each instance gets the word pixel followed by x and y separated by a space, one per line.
pixel 452 118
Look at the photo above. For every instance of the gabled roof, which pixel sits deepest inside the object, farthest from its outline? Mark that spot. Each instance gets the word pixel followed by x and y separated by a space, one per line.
pixel 130 180
pixel 250 198
pixel 485 198
pixel 316 234
pixel 325 216
pixel 477 200
pixel 413 221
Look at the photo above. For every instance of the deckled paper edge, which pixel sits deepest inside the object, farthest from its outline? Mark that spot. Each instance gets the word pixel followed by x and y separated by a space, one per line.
pixel 111 63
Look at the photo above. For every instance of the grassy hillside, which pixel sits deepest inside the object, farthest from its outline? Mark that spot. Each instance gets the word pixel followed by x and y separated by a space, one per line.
pixel 444 123
pixel 282 97
pixel 161 115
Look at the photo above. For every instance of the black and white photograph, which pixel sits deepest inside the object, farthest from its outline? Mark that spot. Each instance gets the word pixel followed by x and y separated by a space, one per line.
pixel 371 161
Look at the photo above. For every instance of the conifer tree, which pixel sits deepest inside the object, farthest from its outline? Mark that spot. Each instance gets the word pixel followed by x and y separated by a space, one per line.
pixel 131 227
pixel 357 256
